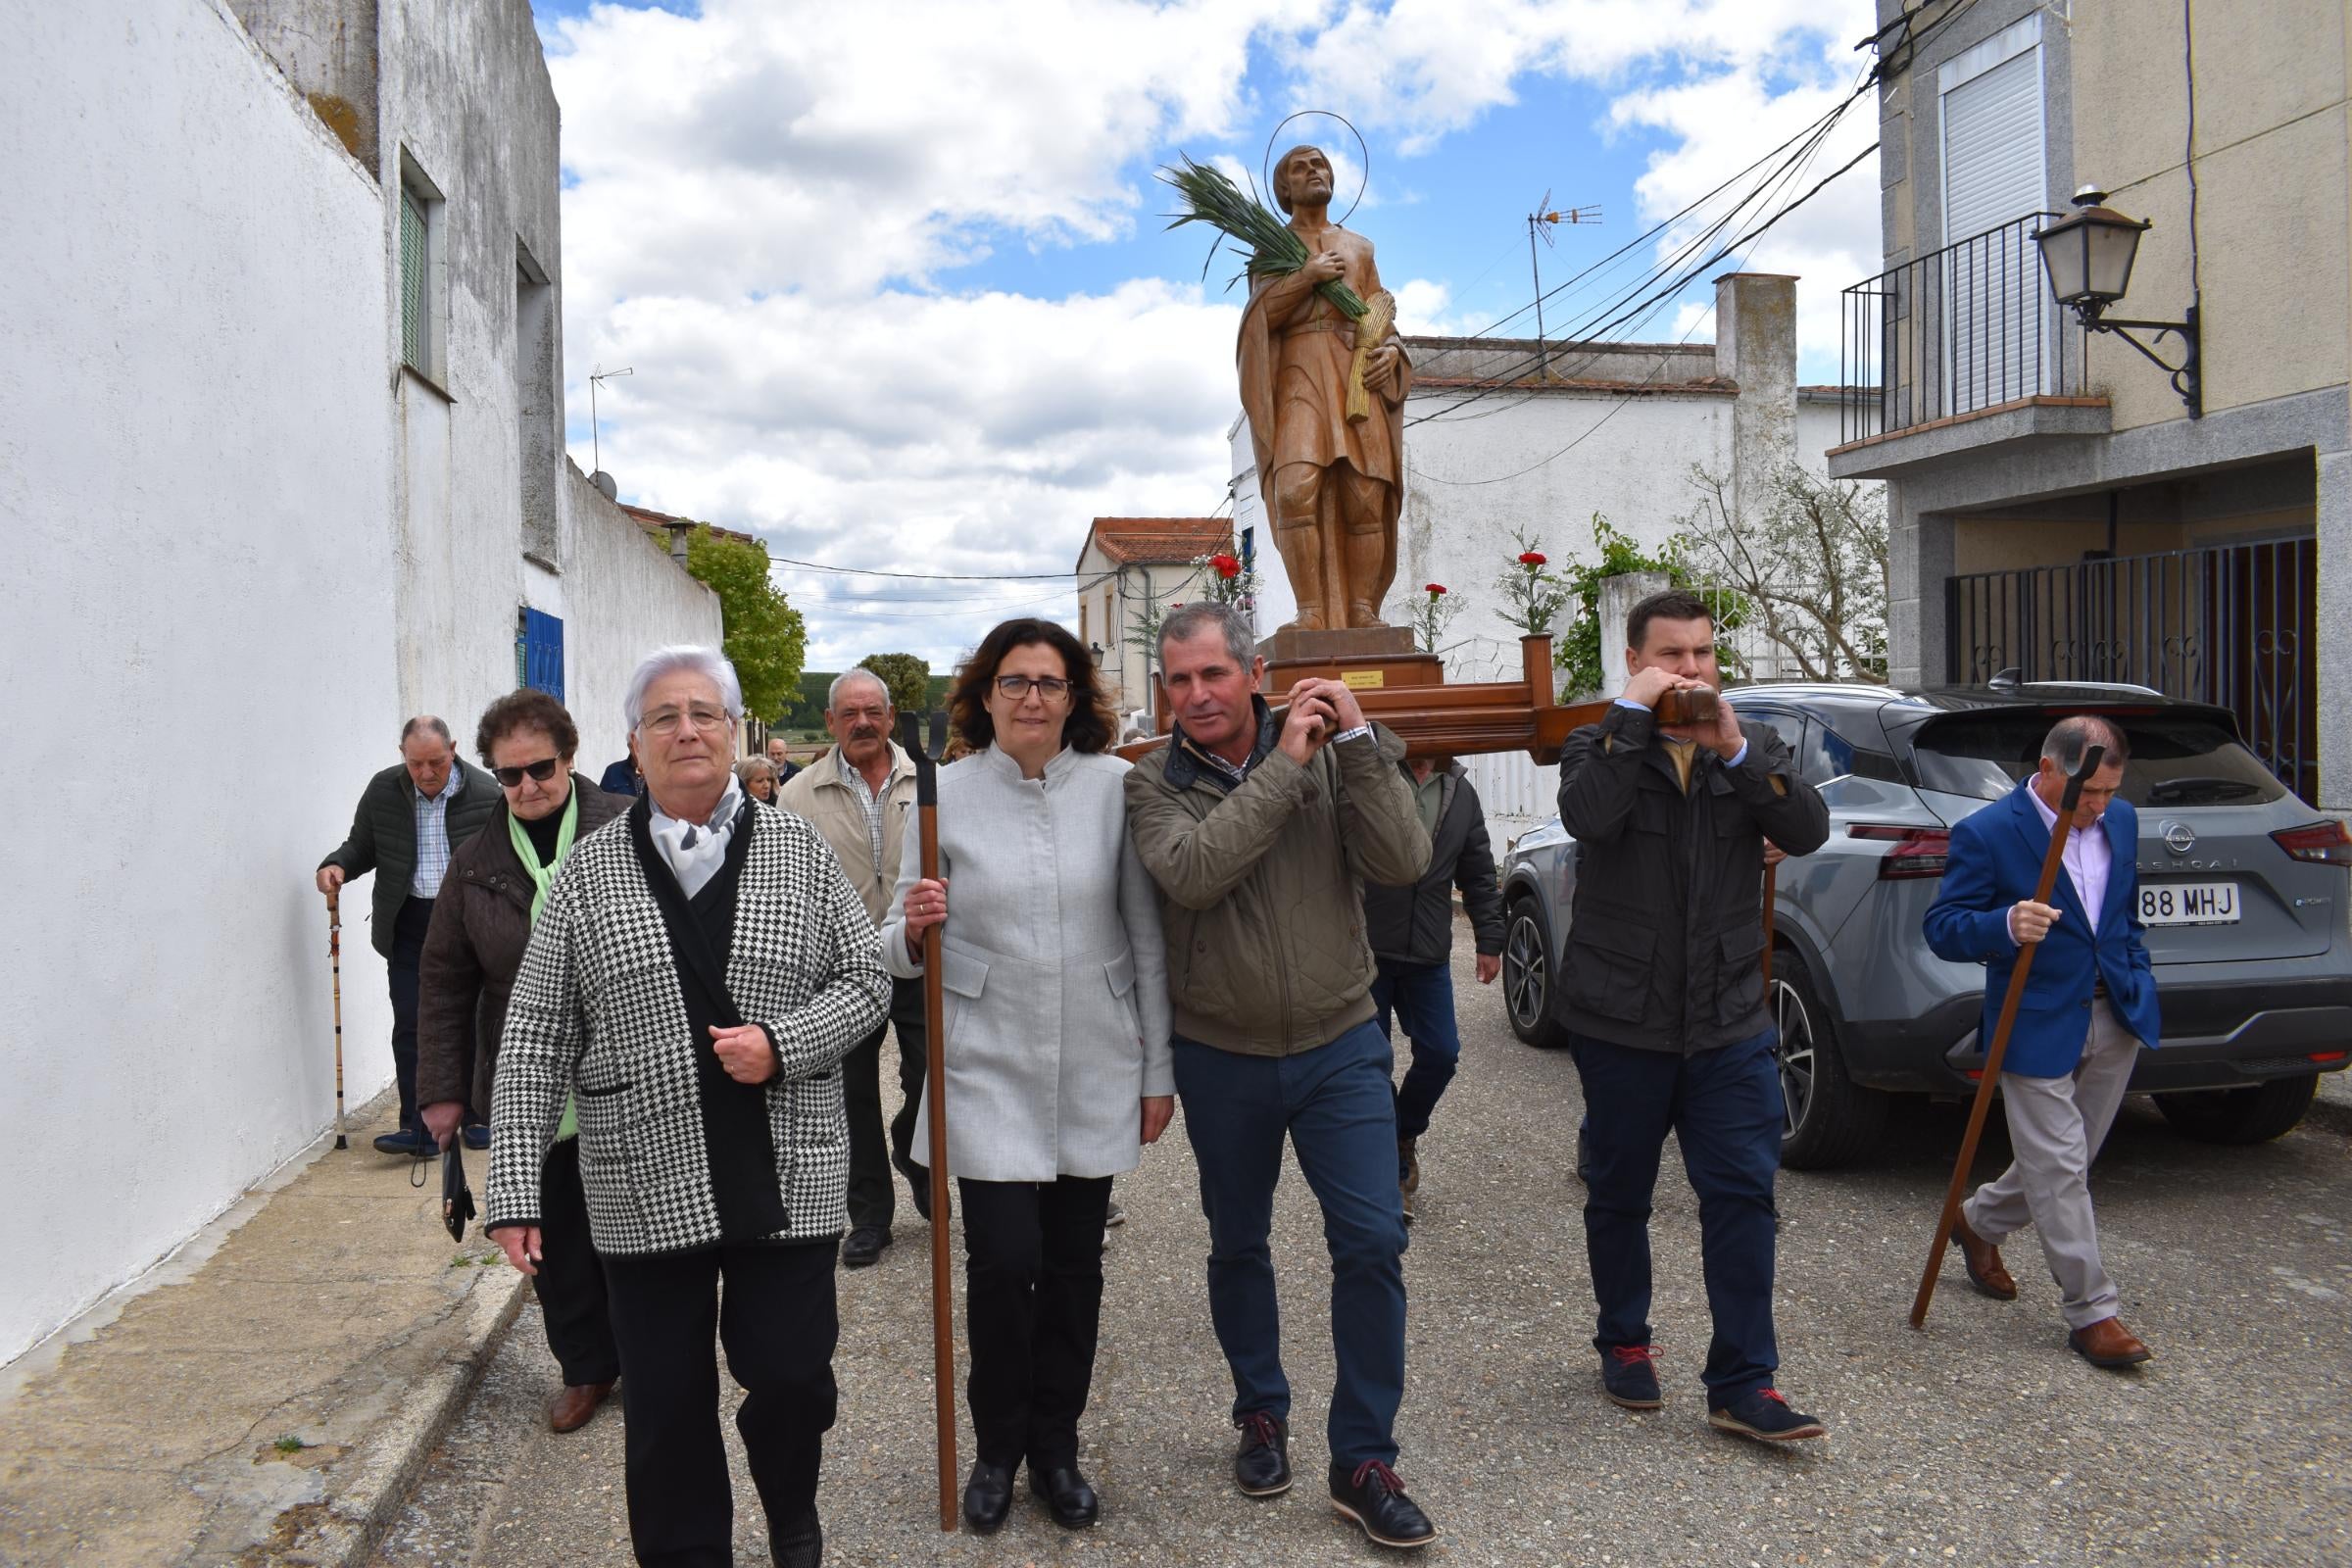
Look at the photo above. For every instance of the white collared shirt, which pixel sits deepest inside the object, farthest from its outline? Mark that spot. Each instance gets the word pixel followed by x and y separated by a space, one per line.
pixel 2088 856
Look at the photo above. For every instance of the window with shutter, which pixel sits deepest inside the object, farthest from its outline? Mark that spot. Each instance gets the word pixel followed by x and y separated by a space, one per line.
pixel 1994 159
pixel 415 284
pixel 543 653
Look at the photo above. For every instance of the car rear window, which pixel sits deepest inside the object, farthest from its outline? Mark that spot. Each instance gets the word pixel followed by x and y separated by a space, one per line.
pixel 2175 760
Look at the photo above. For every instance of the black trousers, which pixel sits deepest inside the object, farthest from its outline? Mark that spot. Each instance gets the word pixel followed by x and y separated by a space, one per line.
pixel 1033 1267
pixel 570 1282
pixel 777 1322
pixel 407 952
pixel 873 1200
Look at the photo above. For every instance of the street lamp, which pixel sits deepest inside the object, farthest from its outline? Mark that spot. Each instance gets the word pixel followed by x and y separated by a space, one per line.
pixel 2087 257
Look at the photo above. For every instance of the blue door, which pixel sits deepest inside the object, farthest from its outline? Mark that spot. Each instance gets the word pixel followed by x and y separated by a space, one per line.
pixel 543 653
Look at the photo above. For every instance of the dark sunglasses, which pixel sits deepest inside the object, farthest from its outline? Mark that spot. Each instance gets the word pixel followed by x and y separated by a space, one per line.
pixel 542 771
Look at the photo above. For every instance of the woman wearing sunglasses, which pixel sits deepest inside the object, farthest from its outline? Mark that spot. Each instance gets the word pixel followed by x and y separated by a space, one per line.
pixel 1056 1042
pixel 496 884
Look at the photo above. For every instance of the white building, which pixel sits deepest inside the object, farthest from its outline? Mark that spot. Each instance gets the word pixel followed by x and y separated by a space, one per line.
pixel 285 464
pixel 1131 572
pixel 1506 436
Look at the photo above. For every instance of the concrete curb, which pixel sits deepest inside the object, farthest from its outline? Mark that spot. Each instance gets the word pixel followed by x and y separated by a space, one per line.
pixel 372 1486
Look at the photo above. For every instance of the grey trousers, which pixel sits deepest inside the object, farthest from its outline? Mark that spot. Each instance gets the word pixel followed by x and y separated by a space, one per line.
pixel 2056 1126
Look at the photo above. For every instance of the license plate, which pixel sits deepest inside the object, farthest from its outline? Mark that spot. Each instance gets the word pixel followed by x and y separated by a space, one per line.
pixel 2189 903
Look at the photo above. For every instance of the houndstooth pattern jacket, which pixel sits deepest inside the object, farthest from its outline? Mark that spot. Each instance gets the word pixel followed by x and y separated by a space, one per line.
pixel 598 1010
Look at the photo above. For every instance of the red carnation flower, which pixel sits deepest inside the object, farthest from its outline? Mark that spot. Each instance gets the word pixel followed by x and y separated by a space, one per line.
pixel 1435 589
pixel 1531 558
pixel 1227 565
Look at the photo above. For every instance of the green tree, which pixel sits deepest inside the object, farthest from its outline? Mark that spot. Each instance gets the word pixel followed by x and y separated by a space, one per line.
pixel 907 677
pixel 1813 564
pixel 766 640
pixel 1576 634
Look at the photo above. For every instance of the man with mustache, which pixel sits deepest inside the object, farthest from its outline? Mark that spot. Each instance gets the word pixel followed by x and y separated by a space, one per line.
pixel 859 796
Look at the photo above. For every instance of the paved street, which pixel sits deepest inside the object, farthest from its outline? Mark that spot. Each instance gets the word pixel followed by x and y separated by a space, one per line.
pixel 1981 1441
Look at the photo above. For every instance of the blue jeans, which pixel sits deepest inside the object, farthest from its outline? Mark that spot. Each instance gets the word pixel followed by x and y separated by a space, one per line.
pixel 1335 1104
pixel 1725 1107
pixel 1421 996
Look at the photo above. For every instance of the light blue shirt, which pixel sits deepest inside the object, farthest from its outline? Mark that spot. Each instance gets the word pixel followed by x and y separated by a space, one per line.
pixel 432 836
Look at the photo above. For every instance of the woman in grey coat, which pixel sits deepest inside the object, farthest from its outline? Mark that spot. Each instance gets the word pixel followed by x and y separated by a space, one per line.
pixel 1055 1040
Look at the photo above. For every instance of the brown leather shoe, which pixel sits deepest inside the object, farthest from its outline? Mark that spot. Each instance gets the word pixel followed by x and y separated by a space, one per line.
pixel 1982 1260
pixel 2107 1343
pixel 570 1410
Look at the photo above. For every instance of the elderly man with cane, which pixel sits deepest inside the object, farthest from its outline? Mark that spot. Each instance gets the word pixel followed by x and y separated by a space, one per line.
pixel 859 796
pixel 1671 798
pixel 411 818
pixel 1260 830
pixel 696 974
pixel 2089 1005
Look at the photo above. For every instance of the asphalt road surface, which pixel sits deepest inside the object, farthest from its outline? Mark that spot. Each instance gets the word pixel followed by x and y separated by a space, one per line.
pixel 1983 1439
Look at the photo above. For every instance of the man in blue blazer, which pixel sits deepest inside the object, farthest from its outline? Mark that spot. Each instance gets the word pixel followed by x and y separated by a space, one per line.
pixel 2089 1005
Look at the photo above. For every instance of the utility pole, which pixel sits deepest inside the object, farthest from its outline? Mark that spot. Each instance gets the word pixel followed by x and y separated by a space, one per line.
pixel 1541 222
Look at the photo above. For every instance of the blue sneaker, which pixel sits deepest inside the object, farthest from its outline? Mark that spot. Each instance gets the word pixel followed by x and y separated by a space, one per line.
pixel 1765 1416
pixel 1630 1377
pixel 412 1142
pixel 478 1136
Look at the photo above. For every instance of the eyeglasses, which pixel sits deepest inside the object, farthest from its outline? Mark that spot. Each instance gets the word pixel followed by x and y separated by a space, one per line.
pixel 664 722
pixel 1052 688
pixel 542 771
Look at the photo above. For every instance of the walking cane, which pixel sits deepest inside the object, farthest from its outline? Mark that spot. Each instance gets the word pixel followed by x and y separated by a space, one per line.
pixel 1772 876
pixel 943 1326
pixel 2051 863
pixel 335 957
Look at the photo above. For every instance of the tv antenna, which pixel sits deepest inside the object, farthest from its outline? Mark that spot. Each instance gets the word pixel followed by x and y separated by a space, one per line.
pixel 1542 220
pixel 596 454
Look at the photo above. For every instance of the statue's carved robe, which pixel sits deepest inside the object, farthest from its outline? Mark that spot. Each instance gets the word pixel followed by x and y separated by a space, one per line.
pixel 1295 350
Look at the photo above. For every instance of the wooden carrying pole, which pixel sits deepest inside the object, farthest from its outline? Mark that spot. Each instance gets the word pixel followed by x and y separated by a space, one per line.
pixel 943 1301
pixel 2051 862
pixel 334 959
pixel 1772 876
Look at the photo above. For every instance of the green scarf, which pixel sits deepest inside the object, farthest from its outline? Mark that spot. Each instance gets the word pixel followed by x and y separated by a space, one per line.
pixel 542 878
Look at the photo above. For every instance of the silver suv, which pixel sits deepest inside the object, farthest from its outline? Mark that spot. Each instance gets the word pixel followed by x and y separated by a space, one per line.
pixel 2243 889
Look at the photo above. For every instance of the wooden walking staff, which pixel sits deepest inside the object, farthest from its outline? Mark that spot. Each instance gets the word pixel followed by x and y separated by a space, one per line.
pixel 1772 874
pixel 2051 862
pixel 335 957
pixel 943 1301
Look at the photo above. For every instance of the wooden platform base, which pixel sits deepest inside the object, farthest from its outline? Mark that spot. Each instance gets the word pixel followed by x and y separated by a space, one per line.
pixel 1406 690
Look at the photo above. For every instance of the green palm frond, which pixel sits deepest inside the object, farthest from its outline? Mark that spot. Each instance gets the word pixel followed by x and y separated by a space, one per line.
pixel 1274 250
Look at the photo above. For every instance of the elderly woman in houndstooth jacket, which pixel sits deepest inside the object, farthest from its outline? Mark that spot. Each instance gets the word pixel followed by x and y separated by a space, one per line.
pixel 699 971
pixel 1055 1042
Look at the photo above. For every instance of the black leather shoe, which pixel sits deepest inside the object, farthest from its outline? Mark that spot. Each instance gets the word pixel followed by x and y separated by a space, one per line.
pixel 799 1544
pixel 1373 1497
pixel 1065 1495
pixel 1261 1467
pixel 988 1496
pixel 918 1188
pixel 864 1249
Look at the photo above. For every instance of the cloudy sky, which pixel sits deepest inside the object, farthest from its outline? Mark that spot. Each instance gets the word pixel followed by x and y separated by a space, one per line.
pixel 895 286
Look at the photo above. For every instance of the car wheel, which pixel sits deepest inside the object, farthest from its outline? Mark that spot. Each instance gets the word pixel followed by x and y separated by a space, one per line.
pixel 1828 1119
pixel 1527 977
pixel 2254 1115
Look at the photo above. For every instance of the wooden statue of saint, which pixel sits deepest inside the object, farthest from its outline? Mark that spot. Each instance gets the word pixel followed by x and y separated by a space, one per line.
pixel 1331 486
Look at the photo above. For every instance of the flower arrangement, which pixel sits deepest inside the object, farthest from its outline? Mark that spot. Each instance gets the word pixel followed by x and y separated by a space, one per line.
pixel 1227 580
pixel 1433 613
pixel 1536 595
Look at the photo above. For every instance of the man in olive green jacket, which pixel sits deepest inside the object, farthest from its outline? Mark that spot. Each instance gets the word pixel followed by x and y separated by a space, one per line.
pixel 1260 830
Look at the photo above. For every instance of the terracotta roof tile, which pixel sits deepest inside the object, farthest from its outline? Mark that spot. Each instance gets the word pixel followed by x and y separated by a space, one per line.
pixel 1132 540
pixel 658 523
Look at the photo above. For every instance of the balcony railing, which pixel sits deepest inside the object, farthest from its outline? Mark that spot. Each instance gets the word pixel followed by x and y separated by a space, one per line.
pixel 1961 330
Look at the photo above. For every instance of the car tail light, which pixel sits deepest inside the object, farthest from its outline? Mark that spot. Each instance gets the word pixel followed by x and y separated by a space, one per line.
pixel 2328 1055
pixel 1918 850
pixel 2327 843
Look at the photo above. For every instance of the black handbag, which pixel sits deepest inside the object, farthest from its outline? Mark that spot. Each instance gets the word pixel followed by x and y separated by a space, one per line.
pixel 457 1199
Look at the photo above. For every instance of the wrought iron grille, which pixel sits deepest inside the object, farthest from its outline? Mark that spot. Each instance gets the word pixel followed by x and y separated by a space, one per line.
pixel 2232 626
pixel 1957 330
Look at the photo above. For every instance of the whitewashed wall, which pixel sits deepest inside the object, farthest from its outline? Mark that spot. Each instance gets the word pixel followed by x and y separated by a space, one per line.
pixel 194 461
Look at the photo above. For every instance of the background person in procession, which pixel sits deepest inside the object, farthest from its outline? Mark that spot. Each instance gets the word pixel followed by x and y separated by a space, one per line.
pixel 1259 832
pixel 1057 1048
pixel 409 817
pixel 860 795
pixel 622 777
pixel 779 753
pixel 698 973
pixel 2089 1005
pixel 1411 932
pixel 757 776
pixel 497 884
pixel 1662 993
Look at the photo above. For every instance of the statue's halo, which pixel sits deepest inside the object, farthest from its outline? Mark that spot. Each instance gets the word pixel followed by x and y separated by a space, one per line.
pixel 1265 161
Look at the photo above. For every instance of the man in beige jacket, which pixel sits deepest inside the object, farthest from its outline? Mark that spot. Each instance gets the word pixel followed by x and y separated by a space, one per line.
pixel 1260 831
pixel 860 795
